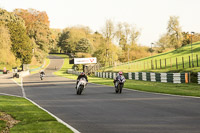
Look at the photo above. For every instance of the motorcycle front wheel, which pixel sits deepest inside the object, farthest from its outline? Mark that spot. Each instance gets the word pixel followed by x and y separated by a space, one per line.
pixel 121 86
pixel 116 90
pixel 80 89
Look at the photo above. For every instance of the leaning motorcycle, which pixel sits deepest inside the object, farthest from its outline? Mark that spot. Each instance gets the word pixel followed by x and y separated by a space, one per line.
pixel 81 86
pixel 119 84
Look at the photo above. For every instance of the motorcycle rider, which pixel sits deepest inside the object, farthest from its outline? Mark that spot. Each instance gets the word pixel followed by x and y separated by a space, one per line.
pixel 42 72
pixel 82 75
pixel 119 76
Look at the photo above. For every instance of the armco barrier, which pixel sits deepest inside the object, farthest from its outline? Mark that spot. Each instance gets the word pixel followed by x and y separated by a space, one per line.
pixel 153 77
pixel 163 77
pixel 146 76
pixel 129 75
pixel 136 75
pixel 133 76
pixel 198 78
pixel 149 76
pixel 176 78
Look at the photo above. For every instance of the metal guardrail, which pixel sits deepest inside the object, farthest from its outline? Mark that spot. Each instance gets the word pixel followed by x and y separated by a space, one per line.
pixel 148 76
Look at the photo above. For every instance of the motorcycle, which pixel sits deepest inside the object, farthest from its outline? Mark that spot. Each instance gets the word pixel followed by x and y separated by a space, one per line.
pixel 81 86
pixel 41 76
pixel 119 84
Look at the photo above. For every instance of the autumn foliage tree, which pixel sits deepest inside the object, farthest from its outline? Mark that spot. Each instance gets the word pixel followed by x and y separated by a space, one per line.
pixel 7 57
pixel 38 30
pixel 20 42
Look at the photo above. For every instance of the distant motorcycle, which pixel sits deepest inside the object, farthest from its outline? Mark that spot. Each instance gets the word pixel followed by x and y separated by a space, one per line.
pixel 41 76
pixel 81 86
pixel 119 84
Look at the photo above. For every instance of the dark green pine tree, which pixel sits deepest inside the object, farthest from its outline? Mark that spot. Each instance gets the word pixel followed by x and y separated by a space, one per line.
pixel 83 45
pixel 21 44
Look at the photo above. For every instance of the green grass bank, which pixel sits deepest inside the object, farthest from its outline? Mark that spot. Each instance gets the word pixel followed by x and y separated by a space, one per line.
pixel 179 60
pixel 191 89
pixel 31 118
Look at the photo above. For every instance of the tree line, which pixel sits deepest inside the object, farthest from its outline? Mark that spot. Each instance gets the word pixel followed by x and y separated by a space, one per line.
pixel 115 43
pixel 174 37
pixel 25 35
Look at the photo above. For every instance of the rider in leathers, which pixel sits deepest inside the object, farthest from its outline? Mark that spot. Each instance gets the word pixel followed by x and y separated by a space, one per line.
pixel 82 75
pixel 119 76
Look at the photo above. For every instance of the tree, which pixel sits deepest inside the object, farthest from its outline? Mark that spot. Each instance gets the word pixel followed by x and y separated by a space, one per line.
pixel 134 35
pixel 127 36
pixel 55 34
pixel 7 57
pixel 186 38
pixel 83 45
pixel 7 17
pixel 21 45
pixel 20 42
pixel 108 32
pixel 63 40
pixel 174 32
pixel 38 30
pixel 163 42
pixel 73 37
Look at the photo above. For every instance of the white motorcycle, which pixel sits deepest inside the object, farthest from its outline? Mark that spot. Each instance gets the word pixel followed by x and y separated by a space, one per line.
pixel 81 86
pixel 119 84
pixel 41 76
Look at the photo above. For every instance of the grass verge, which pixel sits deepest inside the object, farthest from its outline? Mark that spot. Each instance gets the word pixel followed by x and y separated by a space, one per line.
pixel 18 80
pixel 2 125
pixel 32 119
pixel 47 61
pixel 191 89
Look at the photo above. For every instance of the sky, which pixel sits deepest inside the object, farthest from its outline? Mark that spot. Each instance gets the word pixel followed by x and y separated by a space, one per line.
pixel 150 17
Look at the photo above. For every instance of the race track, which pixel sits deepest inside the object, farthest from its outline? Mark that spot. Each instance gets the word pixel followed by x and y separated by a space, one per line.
pixel 100 110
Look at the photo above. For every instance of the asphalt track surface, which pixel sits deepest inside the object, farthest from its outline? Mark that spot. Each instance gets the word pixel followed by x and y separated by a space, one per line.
pixel 100 110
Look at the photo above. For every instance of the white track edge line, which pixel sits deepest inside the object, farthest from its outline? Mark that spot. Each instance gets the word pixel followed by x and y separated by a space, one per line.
pixel 10 95
pixel 16 82
pixel 152 92
pixel 58 119
pixel 22 87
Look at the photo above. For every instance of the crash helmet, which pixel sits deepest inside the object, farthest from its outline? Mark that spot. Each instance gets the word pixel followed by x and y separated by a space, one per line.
pixel 82 73
pixel 120 73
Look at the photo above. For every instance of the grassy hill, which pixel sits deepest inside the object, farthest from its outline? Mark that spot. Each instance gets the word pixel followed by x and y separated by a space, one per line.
pixel 178 60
